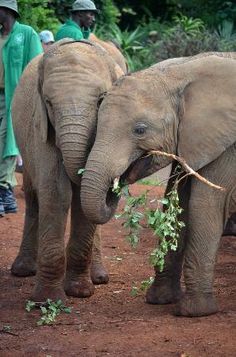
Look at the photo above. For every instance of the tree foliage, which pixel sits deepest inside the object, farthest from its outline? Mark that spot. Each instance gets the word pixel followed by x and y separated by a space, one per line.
pixel 212 12
pixel 149 31
pixel 38 14
pixel 128 13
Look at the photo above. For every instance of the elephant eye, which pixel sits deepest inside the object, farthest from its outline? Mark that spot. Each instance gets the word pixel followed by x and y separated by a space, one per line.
pixel 140 129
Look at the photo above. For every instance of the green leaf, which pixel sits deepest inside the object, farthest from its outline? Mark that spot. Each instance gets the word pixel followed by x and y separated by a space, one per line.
pixel 30 305
pixel 81 171
pixel 134 291
pixel 67 310
pixel 43 309
pixel 164 201
pixel 6 328
pixel 49 311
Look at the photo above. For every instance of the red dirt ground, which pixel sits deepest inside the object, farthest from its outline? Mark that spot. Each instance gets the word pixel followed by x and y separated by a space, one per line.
pixel 112 322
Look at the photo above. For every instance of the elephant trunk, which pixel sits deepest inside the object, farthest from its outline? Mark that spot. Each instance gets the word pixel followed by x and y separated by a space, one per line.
pixel 74 139
pixel 99 202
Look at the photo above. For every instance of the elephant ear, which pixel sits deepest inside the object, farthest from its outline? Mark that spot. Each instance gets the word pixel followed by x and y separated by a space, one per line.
pixel 40 114
pixel 207 125
pixel 118 72
pixel 40 117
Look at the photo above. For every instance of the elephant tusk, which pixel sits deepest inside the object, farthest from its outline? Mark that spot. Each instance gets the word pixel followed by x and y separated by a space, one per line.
pixel 116 183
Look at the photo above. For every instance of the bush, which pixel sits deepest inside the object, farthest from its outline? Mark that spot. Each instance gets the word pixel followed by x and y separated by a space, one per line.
pixel 180 44
pixel 130 42
pixel 109 14
pixel 226 36
pixel 189 37
pixel 41 17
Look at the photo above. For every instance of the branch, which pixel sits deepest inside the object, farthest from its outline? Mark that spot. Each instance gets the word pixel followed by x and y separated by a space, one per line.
pixel 9 332
pixel 187 168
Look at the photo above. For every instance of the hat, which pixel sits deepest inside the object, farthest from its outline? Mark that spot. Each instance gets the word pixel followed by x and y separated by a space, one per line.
pixel 84 5
pixel 46 36
pixel 10 4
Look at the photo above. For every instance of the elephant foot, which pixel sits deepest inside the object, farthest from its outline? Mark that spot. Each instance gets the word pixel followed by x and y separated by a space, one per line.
pixel 99 274
pixel 23 266
pixel 81 288
pixel 163 293
pixel 42 293
pixel 196 305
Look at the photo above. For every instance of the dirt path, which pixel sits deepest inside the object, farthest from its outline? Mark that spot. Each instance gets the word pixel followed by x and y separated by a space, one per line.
pixel 112 322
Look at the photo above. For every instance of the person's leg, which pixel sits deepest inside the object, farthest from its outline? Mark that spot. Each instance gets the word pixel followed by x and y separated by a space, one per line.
pixel 2 138
pixel 2 212
pixel 7 168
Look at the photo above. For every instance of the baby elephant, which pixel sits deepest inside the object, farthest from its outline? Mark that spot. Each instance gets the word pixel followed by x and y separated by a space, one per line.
pixel 184 106
pixel 54 115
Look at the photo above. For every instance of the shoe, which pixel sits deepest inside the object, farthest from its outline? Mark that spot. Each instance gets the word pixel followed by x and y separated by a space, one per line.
pixel 8 200
pixel 2 211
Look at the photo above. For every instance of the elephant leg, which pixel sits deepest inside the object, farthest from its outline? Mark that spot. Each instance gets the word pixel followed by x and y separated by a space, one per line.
pixel 166 287
pixel 54 202
pixel 204 233
pixel 98 272
pixel 25 262
pixel 79 251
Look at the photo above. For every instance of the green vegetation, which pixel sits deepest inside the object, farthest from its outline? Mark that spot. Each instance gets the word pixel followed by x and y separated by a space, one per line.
pixel 143 286
pixel 38 14
pixel 132 217
pixel 49 311
pixel 166 226
pixel 151 32
pixel 6 328
pixel 150 182
pixel 163 220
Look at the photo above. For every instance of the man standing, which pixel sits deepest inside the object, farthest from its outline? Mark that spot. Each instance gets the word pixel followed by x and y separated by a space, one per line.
pixel 18 45
pixel 79 25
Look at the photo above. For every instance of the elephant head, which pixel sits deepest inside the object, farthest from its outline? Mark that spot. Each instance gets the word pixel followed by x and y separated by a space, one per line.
pixel 185 107
pixel 113 50
pixel 72 76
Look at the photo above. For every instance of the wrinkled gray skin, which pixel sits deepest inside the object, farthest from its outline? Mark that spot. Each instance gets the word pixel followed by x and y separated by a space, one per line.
pixel 112 50
pixel 54 116
pixel 184 106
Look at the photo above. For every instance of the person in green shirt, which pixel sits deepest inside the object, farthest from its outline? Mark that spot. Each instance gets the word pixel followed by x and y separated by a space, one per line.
pixel 79 25
pixel 19 44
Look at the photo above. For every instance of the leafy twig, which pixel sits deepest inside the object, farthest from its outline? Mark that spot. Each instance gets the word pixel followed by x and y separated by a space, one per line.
pixel 49 310
pixel 187 168
pixel 7 329
pixel 132 217
pixel 165 225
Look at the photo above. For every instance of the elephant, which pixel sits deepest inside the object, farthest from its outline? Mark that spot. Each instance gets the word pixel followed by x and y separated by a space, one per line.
pixel 182 106
pixel 54 114
pixel 111 49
